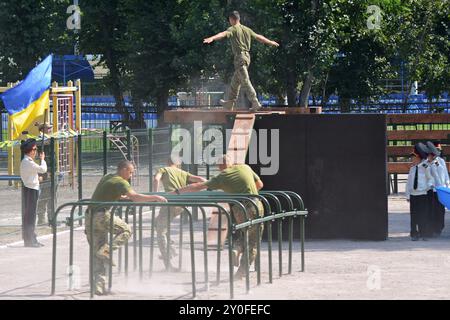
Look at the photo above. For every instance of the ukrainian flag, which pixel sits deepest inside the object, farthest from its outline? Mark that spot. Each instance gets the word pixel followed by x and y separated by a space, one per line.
pixel 30 98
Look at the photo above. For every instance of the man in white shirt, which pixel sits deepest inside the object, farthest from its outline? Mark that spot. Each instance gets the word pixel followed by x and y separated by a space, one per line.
pixel 29 171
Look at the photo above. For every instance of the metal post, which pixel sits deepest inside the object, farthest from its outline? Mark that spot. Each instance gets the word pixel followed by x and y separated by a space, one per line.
pixel 119 254
pixel 128 144
pixel 126 246
pixel 205 248
pixel 105 159
pixel 247 261
pixel 280 247
pixel 150 160
pixel 152 237
pixel 291 231
pixel 219 246
pixel 258 254
pixel 269 239
pixel 180 243
pixel 80 177
pixel 71 247
pixel 140 243
pixel 167 258
pixel 191 238
pixel 91 255
pixel 111 236
pixel 134 240
pixel 194 166
pixel 52 180
pixel 302 222
pixel 129 148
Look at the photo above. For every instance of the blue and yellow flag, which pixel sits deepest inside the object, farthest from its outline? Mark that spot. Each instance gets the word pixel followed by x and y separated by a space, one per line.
pixel 29 99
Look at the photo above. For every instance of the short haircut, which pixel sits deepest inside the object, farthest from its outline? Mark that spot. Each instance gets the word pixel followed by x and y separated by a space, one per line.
pixel 124 164
pixel 235 15
pixel 225 159
pixel 174 160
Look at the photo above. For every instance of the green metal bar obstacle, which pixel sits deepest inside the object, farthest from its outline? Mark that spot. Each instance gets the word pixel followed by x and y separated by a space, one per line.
pixel 133 205
pixel 200 200
pixel 273 195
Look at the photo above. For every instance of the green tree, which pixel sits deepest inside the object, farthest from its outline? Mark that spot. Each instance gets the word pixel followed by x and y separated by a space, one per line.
pixel 105 32
pixel 424 44
pixel 31 30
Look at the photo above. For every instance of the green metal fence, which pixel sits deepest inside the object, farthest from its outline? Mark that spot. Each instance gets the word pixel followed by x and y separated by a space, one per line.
pixel 278 205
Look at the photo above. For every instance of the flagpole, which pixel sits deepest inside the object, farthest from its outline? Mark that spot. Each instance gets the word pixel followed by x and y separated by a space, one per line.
pixel 43 130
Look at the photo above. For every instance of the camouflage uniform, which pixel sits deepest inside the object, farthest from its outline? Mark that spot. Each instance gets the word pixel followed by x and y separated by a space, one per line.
pixel 172 178
pixel 161 224
pixel 101 224
pixel 241 39
pixel 238 241
pixel 241 78
pixel 44 201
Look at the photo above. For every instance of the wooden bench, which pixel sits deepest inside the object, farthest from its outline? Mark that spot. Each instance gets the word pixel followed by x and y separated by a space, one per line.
pixel 398 153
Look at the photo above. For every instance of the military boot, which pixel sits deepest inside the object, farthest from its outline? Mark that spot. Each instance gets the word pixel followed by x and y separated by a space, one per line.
pixel 256 107
pixel 228 104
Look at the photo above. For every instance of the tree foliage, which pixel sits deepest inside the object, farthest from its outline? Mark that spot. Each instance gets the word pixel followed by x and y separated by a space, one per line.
pixel 153 48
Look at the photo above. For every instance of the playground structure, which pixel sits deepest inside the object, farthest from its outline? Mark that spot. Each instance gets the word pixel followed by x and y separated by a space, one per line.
pixel 64 114
pixel 65 118
pixel 128 146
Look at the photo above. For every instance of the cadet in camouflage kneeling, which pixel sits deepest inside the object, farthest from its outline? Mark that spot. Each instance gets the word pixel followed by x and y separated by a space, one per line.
pixel 111 187
pixel 239 178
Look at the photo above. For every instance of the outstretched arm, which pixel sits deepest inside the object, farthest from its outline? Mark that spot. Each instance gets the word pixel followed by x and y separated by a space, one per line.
pixel 137 197
pixel 194 179
pixel 192 188
pixel 156 181
pixel 218 36
pixel 264 40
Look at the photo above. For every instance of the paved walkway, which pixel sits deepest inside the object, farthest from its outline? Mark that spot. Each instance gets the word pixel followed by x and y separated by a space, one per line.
pixel 394 269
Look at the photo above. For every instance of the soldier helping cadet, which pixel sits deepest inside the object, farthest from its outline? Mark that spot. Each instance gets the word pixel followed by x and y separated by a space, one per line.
pixel 241 39
pixel 420 181
pixel 441 179
pixel 172 178
pixel 112 187
pixel 29 173
pixel 239 178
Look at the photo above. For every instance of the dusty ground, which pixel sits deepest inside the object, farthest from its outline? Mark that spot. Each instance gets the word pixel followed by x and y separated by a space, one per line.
pixel 394 269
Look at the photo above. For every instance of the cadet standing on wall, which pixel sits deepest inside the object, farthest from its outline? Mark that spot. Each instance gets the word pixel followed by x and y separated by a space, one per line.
pixel 173 178
pixel 241 39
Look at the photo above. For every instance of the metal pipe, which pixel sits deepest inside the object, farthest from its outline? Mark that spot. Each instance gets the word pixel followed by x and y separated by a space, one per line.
pixel 150 160
pixel 80 175
pixel 105 150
